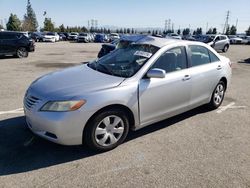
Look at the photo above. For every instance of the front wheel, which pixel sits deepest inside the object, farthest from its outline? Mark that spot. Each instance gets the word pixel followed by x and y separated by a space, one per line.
pixel 107 130
pixel 217 96
pixel 22 52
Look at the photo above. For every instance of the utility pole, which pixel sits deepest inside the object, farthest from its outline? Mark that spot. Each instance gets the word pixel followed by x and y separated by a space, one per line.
pixel 236 23
pixel 207 27
pixel 226 22
pixel 166 25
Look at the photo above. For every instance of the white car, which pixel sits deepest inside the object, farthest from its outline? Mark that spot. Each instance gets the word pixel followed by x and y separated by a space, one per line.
pixel 73 36
pixel 142 83
pixel 51 37
pixel 114 36
pixel 173 35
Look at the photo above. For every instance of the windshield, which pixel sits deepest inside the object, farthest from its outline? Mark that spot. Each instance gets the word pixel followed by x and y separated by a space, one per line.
pixel 125 61
pixel 52 34
pixel 83 34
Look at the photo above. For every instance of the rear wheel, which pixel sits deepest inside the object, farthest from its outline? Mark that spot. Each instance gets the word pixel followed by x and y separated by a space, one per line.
pixel 22 52
pixel 106 131
pixel 217 96
pixel 226 47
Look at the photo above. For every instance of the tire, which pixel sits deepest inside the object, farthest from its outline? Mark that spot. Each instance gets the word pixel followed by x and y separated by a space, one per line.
pixel 226 47
pixel 22 52
pixel 217 96
pixel 106 130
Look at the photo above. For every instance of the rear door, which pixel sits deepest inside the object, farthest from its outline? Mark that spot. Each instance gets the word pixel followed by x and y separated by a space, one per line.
pixel 205 74
pixel 160 98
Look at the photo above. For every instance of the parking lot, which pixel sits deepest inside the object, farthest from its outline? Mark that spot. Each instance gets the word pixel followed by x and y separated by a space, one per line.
pixel 199 148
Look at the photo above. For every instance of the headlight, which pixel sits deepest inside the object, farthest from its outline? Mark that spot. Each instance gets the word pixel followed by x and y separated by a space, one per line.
pixel 63 106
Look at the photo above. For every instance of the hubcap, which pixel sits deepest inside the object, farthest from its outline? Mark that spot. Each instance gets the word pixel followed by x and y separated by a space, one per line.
pixel 21 52
pixel 218 94
pixel 109 130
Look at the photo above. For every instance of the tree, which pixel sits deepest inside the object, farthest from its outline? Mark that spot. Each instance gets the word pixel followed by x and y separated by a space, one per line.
pixel 62 28
pixel 48 25
pixel 227 31
pixel 133 31
pixel 233 30
pixel 214 31
pixel 178 31
pixel 248 31
pixel 128 30
pixel 30 22
pixel 14 24
pixel 1 27
pixel 186 31
pixel 210 31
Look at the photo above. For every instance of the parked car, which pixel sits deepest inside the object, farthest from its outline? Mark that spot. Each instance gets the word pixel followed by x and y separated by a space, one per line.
pixel 125 40
pixel 73 36
pixel 84 37
pixel 173 35
pixel 101 38
pixel 62 37
pixel 51 37
pixel 148 81
pixel 234 39
pixel 36 36
pixel 218 42
pixel 114 36
pixel 15 43
pixel 107 48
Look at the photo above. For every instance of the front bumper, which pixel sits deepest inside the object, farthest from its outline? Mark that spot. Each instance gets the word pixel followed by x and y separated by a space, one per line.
pixel 64 128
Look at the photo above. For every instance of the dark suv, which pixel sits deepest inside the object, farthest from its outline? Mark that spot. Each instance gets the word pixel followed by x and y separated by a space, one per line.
pixel 15 43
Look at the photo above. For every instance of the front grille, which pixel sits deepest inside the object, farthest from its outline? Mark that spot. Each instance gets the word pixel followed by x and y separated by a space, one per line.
pixel 30 102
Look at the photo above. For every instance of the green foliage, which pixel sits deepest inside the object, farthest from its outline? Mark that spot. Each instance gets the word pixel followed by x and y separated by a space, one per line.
pixel 30 22
pixel 186 31
pixel 179 32
pixel 214 31
pixel 248 31
pixel 48 25
pixel 227 31
pixel 14 24
pixel 62 28
pixel 198 31
pixel 233 30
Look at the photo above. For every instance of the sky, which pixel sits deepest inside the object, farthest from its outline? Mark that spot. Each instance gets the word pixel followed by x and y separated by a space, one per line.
pixel 135 13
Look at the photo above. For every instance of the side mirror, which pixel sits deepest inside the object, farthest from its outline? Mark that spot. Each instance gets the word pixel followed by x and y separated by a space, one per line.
pixel 156 73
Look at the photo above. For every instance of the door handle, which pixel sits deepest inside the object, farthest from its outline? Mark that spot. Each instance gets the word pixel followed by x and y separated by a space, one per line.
pixel 219 67
pixel 186 77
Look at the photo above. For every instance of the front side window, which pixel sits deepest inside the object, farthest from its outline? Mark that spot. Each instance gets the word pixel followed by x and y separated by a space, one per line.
pixel 199 55
pixel 173 60
pixel 124 61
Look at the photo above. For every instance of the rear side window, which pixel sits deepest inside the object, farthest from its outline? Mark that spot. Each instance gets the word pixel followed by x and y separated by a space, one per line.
pixel 199 55
pixel 172 60
pixel 213 57
pixel 8 36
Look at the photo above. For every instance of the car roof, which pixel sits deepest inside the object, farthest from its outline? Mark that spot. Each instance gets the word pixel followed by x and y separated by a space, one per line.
pixel 156 41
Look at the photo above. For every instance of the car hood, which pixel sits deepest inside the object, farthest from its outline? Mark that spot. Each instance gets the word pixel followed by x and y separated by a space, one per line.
pixel 72 83
pixel 49 36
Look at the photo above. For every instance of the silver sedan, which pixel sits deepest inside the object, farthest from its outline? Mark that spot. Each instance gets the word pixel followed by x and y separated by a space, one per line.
pixel 136 85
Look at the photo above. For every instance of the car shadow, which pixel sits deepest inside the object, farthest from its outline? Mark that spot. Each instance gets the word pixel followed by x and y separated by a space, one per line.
pixel 8 57
pixel 21 151
pixel 247 61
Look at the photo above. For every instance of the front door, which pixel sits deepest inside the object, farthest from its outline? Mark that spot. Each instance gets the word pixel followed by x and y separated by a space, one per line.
pixel 160 98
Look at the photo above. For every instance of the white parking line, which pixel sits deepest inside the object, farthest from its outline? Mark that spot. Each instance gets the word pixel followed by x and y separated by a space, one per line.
pixel 229 106
pixel 16 111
